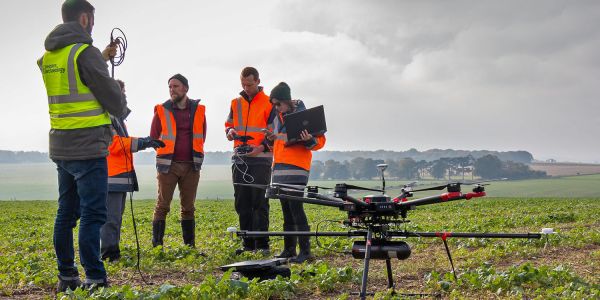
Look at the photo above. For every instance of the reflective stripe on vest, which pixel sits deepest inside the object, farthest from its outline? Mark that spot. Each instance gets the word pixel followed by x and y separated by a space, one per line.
pixel 250 118
pixel 278 135
pixel 71 104
pixel 277 172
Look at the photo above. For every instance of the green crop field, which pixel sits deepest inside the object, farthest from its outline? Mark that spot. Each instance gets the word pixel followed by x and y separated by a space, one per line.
pixel 566 265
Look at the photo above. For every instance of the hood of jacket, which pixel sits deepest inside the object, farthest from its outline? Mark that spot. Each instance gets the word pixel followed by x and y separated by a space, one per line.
pixel 66 34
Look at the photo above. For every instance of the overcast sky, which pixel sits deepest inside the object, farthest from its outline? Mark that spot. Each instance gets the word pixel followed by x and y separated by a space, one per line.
pixel 394 75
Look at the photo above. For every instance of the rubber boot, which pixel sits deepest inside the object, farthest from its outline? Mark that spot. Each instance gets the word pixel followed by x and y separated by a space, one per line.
pixel 304 242
pixel 158 232
pixel 188 228
pixel 289 244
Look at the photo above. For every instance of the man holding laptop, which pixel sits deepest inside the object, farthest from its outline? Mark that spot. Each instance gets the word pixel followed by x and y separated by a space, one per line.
pixel 291 163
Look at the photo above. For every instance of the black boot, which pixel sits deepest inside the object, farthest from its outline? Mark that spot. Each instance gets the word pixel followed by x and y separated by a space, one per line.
pixel 65 283
pixel 289 247
pixel 289 244
pixel 188 228
pixel 247 246
pixel 305 253
pixel 158 232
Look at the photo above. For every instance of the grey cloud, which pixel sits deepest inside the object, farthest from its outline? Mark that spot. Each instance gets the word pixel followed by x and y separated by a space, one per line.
pixel 517 69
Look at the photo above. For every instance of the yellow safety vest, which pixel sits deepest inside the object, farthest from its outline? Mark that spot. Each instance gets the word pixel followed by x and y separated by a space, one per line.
pixel 71 104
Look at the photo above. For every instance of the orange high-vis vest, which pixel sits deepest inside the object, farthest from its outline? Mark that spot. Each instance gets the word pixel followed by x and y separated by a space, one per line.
pixel 120 159
pixel 164 156
pixel 249 118
pixel 121 173
pixel 296 154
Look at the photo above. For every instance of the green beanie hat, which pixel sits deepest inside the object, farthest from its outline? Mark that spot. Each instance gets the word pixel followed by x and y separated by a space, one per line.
pixel 281 92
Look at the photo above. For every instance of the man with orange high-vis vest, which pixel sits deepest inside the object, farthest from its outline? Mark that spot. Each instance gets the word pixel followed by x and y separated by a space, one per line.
pixel 181 124
pixel 121 180
pixel 248 116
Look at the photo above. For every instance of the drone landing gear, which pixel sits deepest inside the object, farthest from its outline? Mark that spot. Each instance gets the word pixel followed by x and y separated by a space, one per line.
pixel 385 250
pixel 450 258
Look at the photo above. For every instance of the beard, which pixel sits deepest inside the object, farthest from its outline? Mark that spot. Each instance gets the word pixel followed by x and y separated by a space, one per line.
pixel 178 98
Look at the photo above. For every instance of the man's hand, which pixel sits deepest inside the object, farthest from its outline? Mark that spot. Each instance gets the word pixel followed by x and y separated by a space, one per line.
pixel 146 142
pixel 305 136
pixel 256 150
pixel 269 135
pixel 231 133
pixel 156 144
pixel 110 50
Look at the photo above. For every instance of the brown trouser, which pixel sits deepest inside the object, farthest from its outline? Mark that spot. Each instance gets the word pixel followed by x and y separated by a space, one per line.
pixel 183 175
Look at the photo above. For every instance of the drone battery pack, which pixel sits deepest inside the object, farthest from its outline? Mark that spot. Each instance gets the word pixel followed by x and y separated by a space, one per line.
pixel 381 249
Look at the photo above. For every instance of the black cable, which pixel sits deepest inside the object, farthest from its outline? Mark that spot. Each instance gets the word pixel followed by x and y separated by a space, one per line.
pixel 129 164
pixel 121 42
pixel 245 173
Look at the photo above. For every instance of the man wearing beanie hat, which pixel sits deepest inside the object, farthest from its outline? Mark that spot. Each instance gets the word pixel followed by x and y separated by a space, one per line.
pixel 248 116
pixel 180 123
pixel 291 165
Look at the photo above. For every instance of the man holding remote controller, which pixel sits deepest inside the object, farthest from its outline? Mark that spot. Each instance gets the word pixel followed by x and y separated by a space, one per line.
pixel 248 117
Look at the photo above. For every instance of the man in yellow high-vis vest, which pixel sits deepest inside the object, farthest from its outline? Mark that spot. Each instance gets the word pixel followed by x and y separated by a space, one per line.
pixel 81 95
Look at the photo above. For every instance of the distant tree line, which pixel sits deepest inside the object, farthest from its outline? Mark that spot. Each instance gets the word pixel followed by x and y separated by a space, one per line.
pixel 224 157
pixel 486 167
pixel 23 157
pixel 427 155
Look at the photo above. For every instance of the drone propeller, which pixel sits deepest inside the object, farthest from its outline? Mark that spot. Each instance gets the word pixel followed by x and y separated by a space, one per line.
pixel 301 187
pixel 457 183
pixel 433 188
pixel 254 185
pixel 479 182
pixel 360 188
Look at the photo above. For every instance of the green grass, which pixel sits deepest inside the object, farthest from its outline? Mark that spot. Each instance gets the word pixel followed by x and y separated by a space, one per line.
pixel 564 266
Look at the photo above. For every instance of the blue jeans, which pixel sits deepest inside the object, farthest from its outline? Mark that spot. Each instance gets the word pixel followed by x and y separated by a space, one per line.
pixel 82 187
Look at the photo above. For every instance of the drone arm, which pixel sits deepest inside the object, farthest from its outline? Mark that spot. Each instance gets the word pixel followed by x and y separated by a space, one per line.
pixel 445 235
pixel 328 198
pixel 354 201
pixel 451 196
pixel 245 233
pixel 337 204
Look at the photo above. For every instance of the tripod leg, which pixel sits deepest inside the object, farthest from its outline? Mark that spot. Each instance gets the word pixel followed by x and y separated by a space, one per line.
pixel 388 265
pixel 365 275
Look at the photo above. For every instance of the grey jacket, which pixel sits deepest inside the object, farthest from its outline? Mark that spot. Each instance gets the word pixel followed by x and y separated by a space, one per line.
pixel 85 143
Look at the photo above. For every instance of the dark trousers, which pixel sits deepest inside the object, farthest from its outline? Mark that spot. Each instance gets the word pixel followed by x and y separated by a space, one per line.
pixel 294 219
pixel 82 188
pixel 110 233
pixel 250 203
